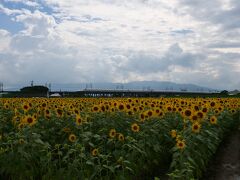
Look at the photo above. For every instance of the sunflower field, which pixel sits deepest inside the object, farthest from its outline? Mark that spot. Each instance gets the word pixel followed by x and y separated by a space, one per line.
pixel 112 138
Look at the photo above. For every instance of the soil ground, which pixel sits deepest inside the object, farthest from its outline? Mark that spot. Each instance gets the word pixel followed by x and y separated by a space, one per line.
pixel 226 163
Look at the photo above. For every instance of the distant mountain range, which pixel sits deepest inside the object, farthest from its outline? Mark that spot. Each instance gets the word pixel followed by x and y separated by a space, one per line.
pixel 136 85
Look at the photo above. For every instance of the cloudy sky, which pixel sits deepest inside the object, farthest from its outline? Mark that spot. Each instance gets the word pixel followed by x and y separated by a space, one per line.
pixel 74 41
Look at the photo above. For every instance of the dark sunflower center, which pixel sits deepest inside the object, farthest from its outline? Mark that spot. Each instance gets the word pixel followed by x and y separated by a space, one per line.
pixel 150 113
pixel 200 114
pixel 188 113
pixel 196 108
pixel 59 112
pixel 121 107
pixel 103 108
pixel 194 117
pixel 29 120
pixel 204 109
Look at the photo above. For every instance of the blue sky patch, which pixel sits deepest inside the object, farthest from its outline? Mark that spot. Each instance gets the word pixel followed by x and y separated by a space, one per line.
pixel 10 25
pixel 182 31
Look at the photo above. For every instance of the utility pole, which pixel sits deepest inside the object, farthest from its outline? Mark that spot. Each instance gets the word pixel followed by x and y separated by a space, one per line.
pixel 1 87
pixel 32 83
pixel 49 86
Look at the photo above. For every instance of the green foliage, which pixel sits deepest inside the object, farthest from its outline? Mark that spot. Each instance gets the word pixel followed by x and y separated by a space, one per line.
pixel 191 162
pixel 34 89
pixel 44 151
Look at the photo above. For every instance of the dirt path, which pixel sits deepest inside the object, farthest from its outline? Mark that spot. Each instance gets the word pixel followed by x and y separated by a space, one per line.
pixel 226 162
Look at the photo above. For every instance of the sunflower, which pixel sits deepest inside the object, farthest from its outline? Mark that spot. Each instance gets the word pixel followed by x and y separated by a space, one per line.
pixel 169 108
pixel 112 109
pixel 112 133
pixel 30 120
pixel 213 120
pixel 35 115
pixel 181 144
pixel 173 133
pixel 72 138
pixel 59 112
pixel 130 112
pixel 156 111
pixel 79 120
pixel 21 141
pixel 121 137
pixel 142 117
pixel 233 111
pixel 220 108
pixel 174 109
pixel 149 113
pixel 135 127
pixel 196 127
pixel 179 109
pixel 76 111
pixel 95 109
pixel 135 109
pixel 212 104
pixel 187 113
pixel 44 105
pixel 6 106
pixel 140 108
pixel 47 113
pixel 25 107
pixel 216 111
pixel 66 130
pixel 193 118
pixel 121 107
pixel 102 107
pixel 20 125
pixel 196 108
pixel 129 100
pixel 161 114
pixel 200 114
pixel 128 106
pixel 94 152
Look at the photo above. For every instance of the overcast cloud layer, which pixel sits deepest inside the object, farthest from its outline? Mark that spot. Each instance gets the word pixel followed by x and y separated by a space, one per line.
pixel 72 41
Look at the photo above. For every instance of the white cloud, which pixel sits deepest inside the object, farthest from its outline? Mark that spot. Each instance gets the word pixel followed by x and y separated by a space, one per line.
pixel 37 23
pixel 31 3
pixel 120 41
pixel 8 11
pixel 5 40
